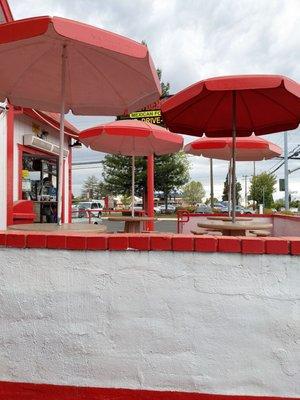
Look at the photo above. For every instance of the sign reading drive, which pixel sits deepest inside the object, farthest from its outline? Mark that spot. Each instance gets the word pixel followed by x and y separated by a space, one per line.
pixel 151 113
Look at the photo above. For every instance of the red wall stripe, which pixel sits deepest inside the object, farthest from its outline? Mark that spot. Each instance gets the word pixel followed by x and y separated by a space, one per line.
pixel 28 391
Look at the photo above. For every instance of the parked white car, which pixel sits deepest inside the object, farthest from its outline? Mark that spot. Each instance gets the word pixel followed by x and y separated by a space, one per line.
pixel 170 210
pixel 89 205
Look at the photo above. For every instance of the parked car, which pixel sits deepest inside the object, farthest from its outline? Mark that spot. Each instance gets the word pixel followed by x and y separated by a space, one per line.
pixel 89 205
pixel 157 209
pixel 170 209
pixel 243 210
pixel 240 210
pixel 219 207
pixel 203 209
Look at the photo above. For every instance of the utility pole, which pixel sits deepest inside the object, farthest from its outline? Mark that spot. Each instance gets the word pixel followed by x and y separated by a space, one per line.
pixel 211 183
pixel 286 173
pixel 246 189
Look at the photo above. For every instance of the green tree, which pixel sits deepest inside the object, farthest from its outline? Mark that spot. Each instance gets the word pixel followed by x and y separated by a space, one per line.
pixel 126 201
pixel 90 189
pixel 207 201
pixel 294 203
pixel 165 87
pixel 117 174
pixel 193 192
pixel 170 173
pixel 262 189
pixel 278 204
pixel 238 188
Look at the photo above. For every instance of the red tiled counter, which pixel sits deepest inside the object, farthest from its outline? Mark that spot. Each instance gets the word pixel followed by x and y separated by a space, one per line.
pixel 152 242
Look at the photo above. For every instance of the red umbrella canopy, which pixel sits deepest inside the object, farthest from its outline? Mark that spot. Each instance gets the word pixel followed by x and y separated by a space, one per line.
pixel 247 148
pixel 105 73
pixel 264 104
pixel 131 138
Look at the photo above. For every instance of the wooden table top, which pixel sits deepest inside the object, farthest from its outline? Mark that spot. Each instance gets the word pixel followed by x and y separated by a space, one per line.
pixel 59 228
pixel 131 219
pixel 219 218
pixel 235 226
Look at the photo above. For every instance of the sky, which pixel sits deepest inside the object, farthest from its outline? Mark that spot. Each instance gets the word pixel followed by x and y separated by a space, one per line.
pixel 192 40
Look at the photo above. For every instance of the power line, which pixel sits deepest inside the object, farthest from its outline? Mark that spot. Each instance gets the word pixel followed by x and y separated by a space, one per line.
pixel 293 153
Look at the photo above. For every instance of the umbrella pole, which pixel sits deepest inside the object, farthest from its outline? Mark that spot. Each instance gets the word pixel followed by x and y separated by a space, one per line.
pixel 211 183
pixel 61 136
pixel 233 183
pixel 229 188
pixel 132 185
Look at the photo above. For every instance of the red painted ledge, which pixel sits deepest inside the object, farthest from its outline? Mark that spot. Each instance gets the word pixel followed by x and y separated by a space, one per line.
pixel 151 242
pixel 29 391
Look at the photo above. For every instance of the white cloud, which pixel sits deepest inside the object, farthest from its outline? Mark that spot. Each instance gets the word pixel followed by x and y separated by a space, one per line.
pixel 191 40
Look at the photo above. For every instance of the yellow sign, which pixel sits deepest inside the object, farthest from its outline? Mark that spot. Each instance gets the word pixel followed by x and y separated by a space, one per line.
pixel 145 114
pixel 25 173
pixel 36 128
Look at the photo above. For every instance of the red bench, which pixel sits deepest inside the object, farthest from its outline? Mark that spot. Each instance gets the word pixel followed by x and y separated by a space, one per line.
pixel 23 212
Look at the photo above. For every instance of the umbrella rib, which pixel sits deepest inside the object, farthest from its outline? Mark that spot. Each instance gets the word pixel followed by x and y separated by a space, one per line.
pixel 278 103
pixel 247 109
pixel 121 144
pixel 123 63
pixel 213 111
pixel 184 108
pixel 26 69
pixel 101 73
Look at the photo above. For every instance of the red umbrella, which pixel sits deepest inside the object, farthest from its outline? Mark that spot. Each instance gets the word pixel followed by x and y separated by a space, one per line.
pixel 58 65
pixel 237 106
pixel 247 148
pixel 131 138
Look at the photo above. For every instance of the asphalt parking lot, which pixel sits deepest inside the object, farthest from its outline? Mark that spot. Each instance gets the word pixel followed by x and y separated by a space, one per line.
pixel 161 224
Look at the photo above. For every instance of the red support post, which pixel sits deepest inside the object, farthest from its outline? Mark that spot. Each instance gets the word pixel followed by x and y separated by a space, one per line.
pixel 150 191
pixel 10 164
pixel 70 184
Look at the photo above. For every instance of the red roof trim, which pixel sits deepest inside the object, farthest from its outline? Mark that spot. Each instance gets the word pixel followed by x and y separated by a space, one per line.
pixel 52 119
pixel 6 10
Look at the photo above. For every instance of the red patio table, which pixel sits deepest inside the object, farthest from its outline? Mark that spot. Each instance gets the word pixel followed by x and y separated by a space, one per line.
pixel 234 228
pixel 224 218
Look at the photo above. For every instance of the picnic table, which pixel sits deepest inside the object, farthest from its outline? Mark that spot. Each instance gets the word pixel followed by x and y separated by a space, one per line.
pixel 226 218
pixel 132 224
pixel 234 229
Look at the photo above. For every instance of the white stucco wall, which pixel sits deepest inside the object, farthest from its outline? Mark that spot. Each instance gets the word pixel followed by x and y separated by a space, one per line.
pixel 3 175
pixel 216 323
